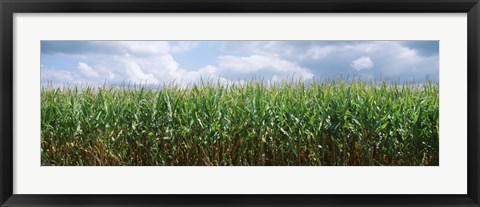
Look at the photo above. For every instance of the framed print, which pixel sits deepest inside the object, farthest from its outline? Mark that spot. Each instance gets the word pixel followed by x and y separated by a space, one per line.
pixel 239 103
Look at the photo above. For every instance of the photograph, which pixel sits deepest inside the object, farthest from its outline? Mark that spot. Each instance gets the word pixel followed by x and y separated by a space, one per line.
pixel 239 102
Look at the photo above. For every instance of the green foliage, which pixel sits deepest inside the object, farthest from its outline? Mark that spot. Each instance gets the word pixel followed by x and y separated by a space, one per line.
pixel 334 123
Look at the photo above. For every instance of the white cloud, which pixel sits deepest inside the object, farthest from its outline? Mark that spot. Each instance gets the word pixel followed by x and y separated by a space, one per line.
pixel 318 52
pixel 56 76
pixel 362 63
pixel 135 74
pixel 273 61
pixel 208 70
pixel 140 62
pixel 256 64
pixel 86 71
pixel 330 59
pixel 123 61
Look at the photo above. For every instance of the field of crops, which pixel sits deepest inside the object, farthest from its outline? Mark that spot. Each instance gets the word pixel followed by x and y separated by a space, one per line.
pixel 290 124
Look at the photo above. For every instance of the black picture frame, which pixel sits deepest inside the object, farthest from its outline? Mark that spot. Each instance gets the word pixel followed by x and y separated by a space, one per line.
pixel 9 7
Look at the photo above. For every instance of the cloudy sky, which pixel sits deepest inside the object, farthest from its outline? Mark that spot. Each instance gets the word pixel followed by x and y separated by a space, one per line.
pixel 184 62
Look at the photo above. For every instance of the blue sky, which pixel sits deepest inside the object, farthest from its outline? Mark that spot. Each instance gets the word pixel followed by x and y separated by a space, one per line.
pixel 184 62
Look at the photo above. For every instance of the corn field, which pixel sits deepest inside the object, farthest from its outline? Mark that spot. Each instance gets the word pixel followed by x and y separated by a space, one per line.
pixel 335 123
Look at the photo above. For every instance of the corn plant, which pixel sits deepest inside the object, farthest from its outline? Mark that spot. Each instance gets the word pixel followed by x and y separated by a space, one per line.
pixel 331 123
